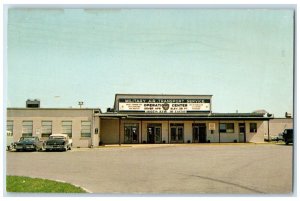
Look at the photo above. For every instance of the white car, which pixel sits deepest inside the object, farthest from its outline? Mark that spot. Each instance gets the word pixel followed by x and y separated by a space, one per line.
pixel 9 140
pixel 58 142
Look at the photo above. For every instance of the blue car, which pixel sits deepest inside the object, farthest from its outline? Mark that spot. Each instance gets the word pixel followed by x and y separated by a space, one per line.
pixel 29 144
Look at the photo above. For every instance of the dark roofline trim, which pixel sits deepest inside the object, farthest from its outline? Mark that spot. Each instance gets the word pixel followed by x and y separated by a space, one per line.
pixel 186 118
pixel 206 114
pixel 181 116
pixel 200 118
pixel 161 95
pixel 22 108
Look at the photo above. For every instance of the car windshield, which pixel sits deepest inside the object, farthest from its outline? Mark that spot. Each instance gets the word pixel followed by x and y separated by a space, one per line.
pixel 57 137
pixel 27 139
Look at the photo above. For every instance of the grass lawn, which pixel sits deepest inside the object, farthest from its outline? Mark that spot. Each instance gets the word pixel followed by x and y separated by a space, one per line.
pixel 34 185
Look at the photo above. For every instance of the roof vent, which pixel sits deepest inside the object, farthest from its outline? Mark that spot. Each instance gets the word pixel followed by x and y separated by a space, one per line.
pixel 110 110
pixel 33 103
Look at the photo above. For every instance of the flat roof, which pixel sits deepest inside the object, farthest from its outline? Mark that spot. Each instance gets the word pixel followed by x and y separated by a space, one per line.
pixel 24 108
pixel 191 95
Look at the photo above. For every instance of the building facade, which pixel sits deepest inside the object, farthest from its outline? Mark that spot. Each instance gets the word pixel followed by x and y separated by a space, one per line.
pixel 277 125
pixel 176 119
pixel 144 118
pixel 82 125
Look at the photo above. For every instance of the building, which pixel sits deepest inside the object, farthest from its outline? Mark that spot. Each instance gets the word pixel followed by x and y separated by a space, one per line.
pixel 138 118
pixel 82 125
pixel 277 125
pixel 142 118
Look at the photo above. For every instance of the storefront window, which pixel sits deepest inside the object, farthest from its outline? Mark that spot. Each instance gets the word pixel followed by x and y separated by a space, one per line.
pixel 226 127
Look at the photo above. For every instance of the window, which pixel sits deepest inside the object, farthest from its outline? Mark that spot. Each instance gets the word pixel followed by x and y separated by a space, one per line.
pixel 10 127
pixel 253 127
pixel 67 128
pixel 46 128
pixel 226 127
pixel 27 128
pixel 85 129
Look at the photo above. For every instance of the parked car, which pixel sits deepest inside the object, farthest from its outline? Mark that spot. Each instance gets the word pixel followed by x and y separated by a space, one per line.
pixel 288 136
pixel 280 137
pixel 58 142
pixel 29 144
pixel 277 137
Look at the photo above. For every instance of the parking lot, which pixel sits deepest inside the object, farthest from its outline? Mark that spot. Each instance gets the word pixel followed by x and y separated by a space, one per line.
pixel 165 169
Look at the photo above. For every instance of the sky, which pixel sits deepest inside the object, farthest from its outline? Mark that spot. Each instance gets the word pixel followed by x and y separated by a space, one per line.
pixel 243 57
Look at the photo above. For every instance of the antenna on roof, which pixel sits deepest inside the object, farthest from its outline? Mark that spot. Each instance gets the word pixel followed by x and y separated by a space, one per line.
pixel 80 103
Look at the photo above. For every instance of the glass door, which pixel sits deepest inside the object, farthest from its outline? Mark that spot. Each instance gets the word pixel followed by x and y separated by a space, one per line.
pixel 199 132
pixel 177 133
pixel 180 133
pixel 195 134
pixel 131 133
pixel 173 134
pixel 157 134
pixel 154 133
pixel 242 133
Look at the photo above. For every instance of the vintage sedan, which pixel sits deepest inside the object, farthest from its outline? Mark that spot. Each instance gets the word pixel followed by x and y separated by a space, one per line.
pixel 29 144
pixel 58 142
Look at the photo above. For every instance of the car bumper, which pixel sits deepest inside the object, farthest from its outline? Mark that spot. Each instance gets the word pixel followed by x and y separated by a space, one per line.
pixel 25 148
pixel 52 148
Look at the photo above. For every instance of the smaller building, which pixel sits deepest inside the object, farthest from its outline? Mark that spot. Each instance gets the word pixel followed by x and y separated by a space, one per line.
pixel 82 125
pixel 277 125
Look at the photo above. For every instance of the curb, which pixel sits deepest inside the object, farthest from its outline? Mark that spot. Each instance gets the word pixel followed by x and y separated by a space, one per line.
pixel 88 191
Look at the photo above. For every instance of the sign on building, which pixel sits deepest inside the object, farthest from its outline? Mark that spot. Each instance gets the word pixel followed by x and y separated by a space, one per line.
pixel 164 105
pixel 211 126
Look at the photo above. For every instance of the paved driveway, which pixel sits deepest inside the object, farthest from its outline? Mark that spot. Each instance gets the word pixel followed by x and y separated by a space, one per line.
pixel 165 169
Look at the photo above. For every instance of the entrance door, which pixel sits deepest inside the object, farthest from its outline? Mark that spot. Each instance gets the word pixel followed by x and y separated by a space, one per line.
pixel 131 133
pixel 199 133
pixel 154 133
pixel 242 133
pixel 177 133
pixel 195 134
